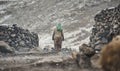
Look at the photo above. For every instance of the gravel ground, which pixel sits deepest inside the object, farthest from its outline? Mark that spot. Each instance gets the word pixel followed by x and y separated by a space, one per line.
pixel 41 62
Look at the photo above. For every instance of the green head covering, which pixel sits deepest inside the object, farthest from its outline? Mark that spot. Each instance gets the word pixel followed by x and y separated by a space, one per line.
pixel 59 27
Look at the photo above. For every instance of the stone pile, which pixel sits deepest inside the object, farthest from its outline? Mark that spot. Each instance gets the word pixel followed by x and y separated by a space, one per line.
pixel 83 57
pixel 18 37
pixel 107 25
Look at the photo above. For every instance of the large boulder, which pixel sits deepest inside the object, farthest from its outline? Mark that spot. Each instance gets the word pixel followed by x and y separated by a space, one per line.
pixel 83 57
pixel 5 48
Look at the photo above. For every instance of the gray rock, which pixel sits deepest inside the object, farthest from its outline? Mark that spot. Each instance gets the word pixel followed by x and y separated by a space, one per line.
pixel 5 48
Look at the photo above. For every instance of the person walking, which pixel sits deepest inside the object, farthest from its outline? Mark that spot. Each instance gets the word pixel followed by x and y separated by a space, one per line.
pixel 58 37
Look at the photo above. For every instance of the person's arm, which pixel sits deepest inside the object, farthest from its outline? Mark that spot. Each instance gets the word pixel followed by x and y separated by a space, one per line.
pixel 53 35
pixel 62 36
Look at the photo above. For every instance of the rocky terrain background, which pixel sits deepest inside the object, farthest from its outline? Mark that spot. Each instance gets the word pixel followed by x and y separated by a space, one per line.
pixel 40 16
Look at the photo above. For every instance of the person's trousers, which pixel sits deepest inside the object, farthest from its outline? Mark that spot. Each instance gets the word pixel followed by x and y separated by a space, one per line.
pixel 57 43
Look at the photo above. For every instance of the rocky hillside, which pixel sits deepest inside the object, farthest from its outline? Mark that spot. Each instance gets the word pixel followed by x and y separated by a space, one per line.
pixel 40 16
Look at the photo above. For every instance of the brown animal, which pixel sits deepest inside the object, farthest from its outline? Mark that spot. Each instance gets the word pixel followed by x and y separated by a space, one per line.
pixel 110 55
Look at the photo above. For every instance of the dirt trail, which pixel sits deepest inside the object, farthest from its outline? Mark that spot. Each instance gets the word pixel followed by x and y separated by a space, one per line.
pixel 40 62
